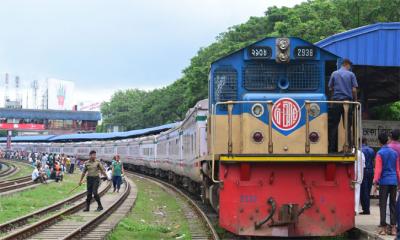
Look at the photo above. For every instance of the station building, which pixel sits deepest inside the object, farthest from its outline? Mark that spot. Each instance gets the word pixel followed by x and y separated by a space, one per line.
pixel 53 122
pixel 375 53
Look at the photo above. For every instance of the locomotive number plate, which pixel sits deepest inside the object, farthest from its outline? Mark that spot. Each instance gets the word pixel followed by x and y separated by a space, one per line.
pixel 260 52
pixel 304 52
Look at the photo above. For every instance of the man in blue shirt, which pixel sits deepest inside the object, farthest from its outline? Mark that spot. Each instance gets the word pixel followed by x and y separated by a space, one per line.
pixel 366 184
pixel 343 87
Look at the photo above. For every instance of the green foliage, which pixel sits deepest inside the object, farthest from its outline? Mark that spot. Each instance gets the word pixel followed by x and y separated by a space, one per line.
pixel 386 112
pixel 313 20
pixel 28 201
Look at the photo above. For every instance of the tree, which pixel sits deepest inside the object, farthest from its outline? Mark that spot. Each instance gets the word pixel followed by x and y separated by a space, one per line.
pixel 312 21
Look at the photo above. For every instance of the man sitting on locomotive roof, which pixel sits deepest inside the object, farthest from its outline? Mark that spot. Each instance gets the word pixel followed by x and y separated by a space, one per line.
pixel 343 87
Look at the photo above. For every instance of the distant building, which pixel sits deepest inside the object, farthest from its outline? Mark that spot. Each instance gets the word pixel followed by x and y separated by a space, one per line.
pixel 33 121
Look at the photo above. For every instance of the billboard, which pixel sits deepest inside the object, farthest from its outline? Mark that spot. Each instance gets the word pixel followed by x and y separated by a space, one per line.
pixel 22 126
pixel 372 128
pixel 60 95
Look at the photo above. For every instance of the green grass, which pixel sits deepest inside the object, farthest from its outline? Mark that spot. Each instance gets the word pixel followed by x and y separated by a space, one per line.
pixel 25 202
pixel 24 170
pixel 156 215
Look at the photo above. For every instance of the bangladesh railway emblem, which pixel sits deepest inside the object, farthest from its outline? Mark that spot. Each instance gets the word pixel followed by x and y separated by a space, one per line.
pixel 286 114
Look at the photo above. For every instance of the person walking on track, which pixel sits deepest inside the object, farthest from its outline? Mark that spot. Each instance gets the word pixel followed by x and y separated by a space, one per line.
pixel 92 168
pixel 117 172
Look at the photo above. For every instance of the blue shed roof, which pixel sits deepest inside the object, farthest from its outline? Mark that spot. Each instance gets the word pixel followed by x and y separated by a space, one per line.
pixel 36 138
pixel 376 45
pixel 49 114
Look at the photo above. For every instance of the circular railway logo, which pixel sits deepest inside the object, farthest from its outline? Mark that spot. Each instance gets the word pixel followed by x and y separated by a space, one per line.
pixel 286 114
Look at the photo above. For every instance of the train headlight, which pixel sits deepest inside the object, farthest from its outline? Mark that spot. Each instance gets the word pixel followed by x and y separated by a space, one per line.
pixel 283 44
pixel 258 137
pixel 283 57
pixel 314 137
pixel 257 110
pixel 315 110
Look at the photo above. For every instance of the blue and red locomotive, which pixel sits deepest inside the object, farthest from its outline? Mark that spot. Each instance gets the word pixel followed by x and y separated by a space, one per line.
pixel 269 142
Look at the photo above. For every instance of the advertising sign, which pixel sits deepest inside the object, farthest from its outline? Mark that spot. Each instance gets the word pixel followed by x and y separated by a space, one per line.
pixel 21 126
pixel 60 94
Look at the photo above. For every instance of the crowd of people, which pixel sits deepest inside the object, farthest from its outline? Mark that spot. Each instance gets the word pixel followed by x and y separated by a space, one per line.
pixel 383 180
pixel 55 166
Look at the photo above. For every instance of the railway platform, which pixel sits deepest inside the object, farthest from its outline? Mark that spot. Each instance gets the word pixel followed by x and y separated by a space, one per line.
pixel 368 224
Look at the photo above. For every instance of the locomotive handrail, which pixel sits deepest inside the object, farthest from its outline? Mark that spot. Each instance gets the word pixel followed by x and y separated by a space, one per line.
pixel 214 113
pixel 357 125
pixel 357 116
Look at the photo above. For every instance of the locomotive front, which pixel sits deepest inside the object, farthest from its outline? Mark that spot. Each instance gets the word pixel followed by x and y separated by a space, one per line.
pixel 268 138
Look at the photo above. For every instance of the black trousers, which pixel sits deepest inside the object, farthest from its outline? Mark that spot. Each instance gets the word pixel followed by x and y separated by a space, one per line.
pixel 336 112
pixel 386 191
pixel 71 168
pixel 365 192
pixel 92 188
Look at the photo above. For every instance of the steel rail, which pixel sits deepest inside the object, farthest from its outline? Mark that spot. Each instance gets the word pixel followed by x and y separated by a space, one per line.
pixel 44 223
pixel 88 226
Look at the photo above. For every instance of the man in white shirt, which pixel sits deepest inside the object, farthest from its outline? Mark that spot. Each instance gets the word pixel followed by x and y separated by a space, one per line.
pixel 359 165
pixel 37 176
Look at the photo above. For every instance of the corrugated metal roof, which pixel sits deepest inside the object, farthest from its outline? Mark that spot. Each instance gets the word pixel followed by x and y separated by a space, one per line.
pixel 376 45
pixel 36 138
pixel 147 131
pixel 113 135
pixel 49 114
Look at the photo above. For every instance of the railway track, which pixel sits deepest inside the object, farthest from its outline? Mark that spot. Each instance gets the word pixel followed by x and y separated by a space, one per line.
pixel 199 224
pixel 11 168
pixel 66 221
pixel 14 184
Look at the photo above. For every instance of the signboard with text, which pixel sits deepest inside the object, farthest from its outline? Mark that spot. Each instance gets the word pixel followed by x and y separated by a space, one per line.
pixel 372 128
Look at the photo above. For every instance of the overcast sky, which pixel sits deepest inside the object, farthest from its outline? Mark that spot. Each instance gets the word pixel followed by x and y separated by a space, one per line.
pixel 104 45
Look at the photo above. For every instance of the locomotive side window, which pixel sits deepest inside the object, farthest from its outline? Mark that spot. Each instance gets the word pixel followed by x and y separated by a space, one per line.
pixel 225 84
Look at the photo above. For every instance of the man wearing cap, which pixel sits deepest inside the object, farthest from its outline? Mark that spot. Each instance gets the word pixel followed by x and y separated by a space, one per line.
pixel 92 168
pixel 343 87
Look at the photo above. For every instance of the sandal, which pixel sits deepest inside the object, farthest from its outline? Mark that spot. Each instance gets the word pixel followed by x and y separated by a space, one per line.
pixel 393 231
pixel 382 231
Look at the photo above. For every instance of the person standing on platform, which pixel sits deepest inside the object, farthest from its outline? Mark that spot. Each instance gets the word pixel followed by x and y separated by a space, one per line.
pixel 343 87
pixel 92 169
pixel 359 171
pixel 395 145
pixel 366 185
pixel 387 175
pixel 117 172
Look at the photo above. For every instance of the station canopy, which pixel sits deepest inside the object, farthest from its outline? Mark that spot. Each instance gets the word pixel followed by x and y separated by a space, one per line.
pixel 375 52
pixel 36 114
pixel 92 136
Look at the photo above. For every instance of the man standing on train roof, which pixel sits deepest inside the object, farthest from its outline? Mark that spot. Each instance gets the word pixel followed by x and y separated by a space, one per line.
pixel 92 168
pixel 343 87
pixel 366 185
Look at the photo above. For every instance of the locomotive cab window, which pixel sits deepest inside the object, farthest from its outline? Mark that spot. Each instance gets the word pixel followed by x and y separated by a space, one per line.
pixel 225 84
